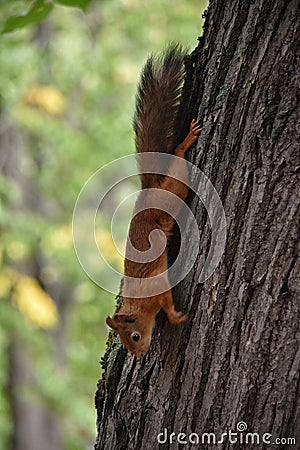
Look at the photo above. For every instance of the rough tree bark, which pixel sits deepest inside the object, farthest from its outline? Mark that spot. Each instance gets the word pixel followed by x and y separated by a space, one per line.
pixel 237 358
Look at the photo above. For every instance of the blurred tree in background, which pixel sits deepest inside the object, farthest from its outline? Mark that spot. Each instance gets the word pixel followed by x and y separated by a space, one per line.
pixel 68 78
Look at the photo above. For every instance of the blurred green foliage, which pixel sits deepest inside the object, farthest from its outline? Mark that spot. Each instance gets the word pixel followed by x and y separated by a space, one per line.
pixel 67 99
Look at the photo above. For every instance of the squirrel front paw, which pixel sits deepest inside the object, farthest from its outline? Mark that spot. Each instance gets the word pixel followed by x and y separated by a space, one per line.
pixel 195 128
pixel 177 317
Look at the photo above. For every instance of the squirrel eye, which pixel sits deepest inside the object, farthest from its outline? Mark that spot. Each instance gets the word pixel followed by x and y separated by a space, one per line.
pixel 135 336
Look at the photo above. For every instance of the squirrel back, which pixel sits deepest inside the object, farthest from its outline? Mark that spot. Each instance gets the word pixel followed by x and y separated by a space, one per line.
pixel 157 105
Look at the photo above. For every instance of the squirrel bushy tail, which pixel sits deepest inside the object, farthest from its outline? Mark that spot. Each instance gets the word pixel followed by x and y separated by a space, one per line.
pixel 158 99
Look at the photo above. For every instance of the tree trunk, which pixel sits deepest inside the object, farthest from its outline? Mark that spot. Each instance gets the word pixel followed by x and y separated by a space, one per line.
pixel 235 364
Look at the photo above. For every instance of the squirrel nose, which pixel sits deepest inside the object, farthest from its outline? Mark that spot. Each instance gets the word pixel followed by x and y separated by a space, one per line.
pixel 139 354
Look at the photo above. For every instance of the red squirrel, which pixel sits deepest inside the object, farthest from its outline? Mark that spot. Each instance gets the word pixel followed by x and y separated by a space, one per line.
pixel 157 104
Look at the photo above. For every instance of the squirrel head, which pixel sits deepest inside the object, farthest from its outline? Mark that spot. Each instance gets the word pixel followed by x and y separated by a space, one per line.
pixel 135 332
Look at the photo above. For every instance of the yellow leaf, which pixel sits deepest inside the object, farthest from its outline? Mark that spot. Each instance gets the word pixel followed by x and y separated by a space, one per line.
pixel 48 98
pixel 108 248
pixel 35 303
pixel 61 237
pixel 16 250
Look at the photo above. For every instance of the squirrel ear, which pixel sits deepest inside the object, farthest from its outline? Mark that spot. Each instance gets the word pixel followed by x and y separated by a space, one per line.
pixel 119 321
pixel 111 323
pixel 124 318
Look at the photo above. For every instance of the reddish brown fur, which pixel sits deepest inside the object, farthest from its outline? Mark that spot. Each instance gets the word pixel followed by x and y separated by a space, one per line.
pixel 157 109
pixel 137 315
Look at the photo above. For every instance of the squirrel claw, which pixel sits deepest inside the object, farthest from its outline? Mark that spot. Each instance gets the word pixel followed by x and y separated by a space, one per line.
pixel 195 127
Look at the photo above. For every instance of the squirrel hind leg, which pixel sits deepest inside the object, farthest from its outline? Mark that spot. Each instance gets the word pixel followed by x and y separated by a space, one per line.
pixel 175 317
